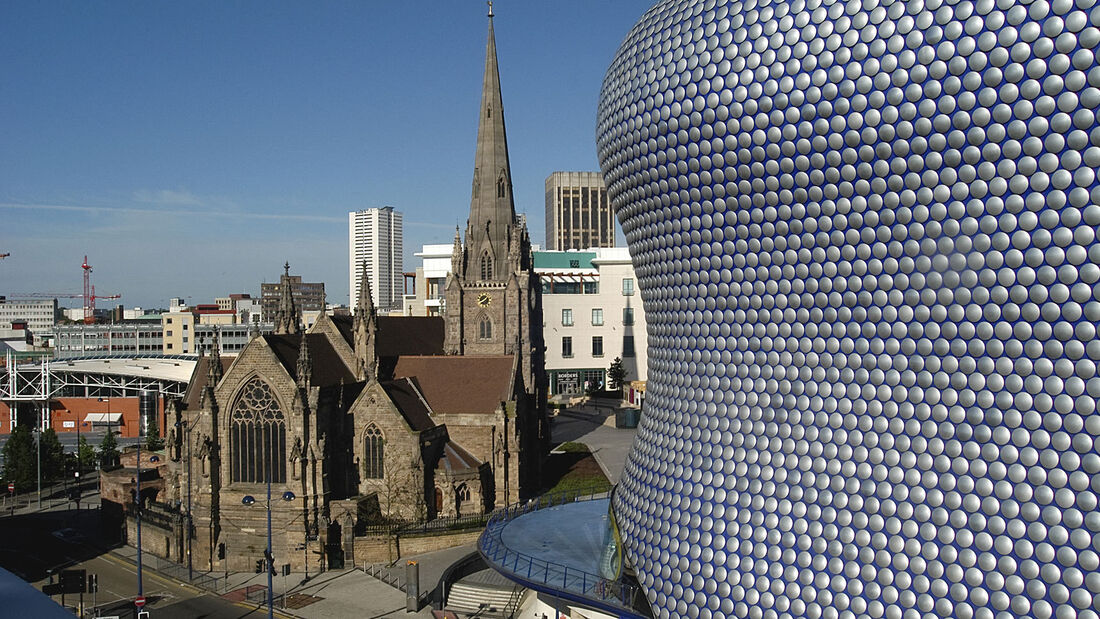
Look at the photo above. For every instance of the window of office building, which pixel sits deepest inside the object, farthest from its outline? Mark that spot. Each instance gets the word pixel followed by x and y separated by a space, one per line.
pixel 628 345
pixel 597 345
pixel 597 317
pixel 628 316
pixel 591 287
pixel 567 318
pixel 567 347
pixel 628 286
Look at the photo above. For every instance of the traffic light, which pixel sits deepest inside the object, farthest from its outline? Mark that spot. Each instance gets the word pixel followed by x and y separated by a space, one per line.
pixel 221 551
pixel 93 583
pixel 73 581
pixel 260 565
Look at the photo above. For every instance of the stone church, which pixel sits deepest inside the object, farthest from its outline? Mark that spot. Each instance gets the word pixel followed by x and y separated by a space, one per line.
pixel 375 419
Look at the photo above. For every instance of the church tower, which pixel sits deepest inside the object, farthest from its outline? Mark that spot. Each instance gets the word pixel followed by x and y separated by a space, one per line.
pixel 491 292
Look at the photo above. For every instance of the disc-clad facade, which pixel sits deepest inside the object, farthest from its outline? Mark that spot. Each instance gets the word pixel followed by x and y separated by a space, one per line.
pixel 865 238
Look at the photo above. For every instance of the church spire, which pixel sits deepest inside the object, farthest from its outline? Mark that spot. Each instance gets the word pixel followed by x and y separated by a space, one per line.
pixel 214 368
pixel 286 319
pixel 365 302
pixel 456 255
pixel 365 326
pixel 305 363
pixel 492 211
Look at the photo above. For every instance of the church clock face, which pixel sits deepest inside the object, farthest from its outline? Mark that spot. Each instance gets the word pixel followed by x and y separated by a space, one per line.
pixel 484 300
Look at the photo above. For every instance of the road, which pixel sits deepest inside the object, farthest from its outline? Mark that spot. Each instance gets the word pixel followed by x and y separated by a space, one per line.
pixel 37 546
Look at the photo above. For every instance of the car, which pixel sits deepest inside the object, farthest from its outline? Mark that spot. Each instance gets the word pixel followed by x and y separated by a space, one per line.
pixel 69 534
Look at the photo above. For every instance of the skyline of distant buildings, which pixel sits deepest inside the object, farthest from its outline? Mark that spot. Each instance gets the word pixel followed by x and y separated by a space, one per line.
pixel 579 229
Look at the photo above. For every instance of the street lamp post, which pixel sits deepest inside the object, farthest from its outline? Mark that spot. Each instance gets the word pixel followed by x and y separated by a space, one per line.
pixel 109 429
pixel 38 448
pixel 137 512
pixel 269 559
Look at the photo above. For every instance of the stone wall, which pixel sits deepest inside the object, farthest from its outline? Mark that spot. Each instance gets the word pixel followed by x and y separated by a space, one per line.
pixel 401 489
pixel 389 548
pixel 155 540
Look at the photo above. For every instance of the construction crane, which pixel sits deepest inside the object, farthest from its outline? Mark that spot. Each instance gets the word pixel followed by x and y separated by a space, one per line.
pixel 89 295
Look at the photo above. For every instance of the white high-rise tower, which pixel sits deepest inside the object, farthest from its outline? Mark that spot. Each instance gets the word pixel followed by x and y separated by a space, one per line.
pixel 376 237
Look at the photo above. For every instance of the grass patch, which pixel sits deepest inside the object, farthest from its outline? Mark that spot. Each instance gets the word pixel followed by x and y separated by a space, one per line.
pixel 574 471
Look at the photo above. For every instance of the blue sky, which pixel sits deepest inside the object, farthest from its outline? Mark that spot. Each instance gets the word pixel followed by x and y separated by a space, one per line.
pixel 190 148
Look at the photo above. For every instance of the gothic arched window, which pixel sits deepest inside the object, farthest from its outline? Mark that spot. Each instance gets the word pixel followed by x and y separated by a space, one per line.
pixel 462 497
pixel 485 329
pixel 500 187
pixel 257 436
pixel 486 266
pixel 373 453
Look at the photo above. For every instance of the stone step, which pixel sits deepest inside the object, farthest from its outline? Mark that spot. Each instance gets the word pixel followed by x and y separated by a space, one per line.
pixel 485 601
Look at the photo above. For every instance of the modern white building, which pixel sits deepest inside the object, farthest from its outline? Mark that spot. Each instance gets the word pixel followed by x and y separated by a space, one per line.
pixel 145 336
pixel 39 314
pixel 427 298
pixel 376 237
pixel 592 313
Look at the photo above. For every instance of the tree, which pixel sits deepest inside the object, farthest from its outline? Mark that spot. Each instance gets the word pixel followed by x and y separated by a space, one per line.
pixel 616 374
pixel 108 451
pixel 20 459
pixel 85 454
pixel 53 456
pixel 153 441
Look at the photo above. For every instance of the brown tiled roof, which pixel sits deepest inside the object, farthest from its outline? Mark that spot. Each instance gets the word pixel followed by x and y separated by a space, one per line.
pixel 457 460
pixel 199 377
pixel 410 335
pixel 456 384
pixel 328 367
pixel 405 395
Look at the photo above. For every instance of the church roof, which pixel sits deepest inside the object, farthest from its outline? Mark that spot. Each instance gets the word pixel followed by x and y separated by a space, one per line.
pixel 199 378
pixel 461 384
pixel 410 335
pixel 405 395
pixel 328 367
pixel 457 460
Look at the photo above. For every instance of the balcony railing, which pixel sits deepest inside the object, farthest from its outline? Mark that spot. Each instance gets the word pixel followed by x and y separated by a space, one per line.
pixel 617 596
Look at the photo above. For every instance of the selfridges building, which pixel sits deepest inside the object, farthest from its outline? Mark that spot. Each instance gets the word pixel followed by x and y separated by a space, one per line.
pixel 865 235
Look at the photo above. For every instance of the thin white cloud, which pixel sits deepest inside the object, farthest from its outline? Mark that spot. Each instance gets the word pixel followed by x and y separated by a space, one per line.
pixel 168 197
pixel 122 210
pixel 426 224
